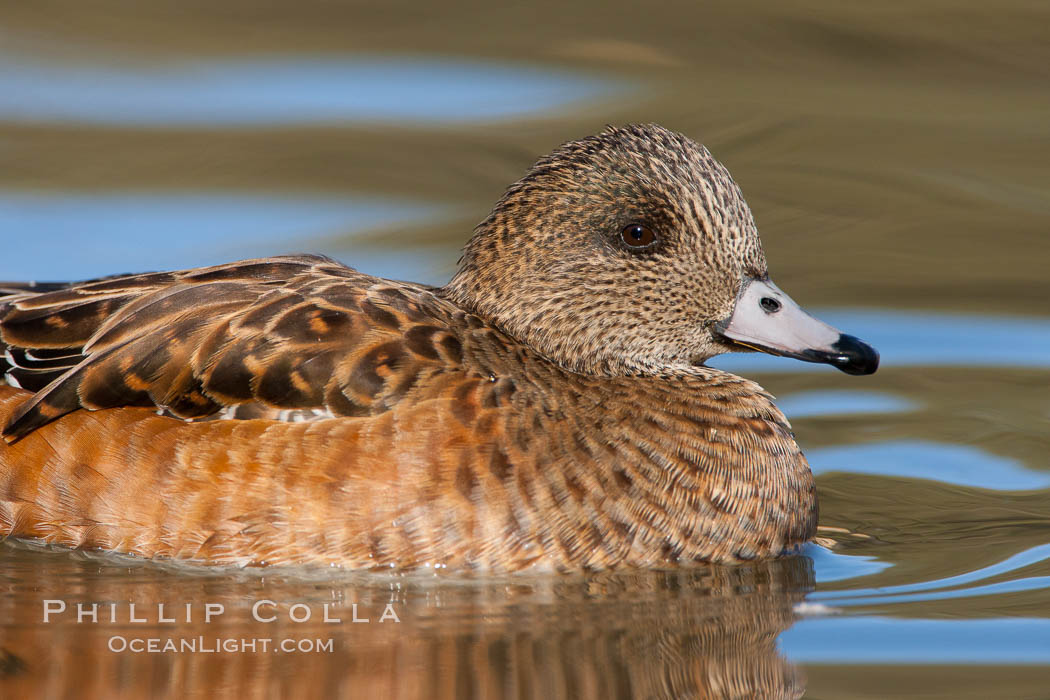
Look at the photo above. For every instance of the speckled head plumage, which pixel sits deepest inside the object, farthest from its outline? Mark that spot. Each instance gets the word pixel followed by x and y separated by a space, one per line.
pixel 550 264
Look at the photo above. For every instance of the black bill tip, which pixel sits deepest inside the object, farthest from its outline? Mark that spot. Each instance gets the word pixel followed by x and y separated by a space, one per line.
pixel 853 356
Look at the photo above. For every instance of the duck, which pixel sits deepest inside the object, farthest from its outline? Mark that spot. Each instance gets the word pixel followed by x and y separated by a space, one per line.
pixel 548 409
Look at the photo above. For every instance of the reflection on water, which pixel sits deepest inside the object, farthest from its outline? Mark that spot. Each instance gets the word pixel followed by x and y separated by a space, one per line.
pixel 895 161
pixel 84 236
pixel 269 91
pixel 809 404
pixel 872 640
pixel 710 632
pixel 972 583
pixel 832 566
pixel 951 464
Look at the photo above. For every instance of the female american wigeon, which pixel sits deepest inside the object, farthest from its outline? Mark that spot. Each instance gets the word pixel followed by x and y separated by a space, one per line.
pixel 549 407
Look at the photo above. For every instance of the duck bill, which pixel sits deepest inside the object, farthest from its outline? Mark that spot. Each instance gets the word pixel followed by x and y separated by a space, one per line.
pixel 768 320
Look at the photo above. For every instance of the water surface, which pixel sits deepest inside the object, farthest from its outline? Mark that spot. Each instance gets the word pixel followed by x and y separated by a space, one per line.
pixel 274 91
pixel 895 159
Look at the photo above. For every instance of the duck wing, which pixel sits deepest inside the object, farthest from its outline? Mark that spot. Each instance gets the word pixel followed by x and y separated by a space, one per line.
pixel 293 338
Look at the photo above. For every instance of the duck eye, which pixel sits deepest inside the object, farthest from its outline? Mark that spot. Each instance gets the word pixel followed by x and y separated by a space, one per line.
pixel 637 236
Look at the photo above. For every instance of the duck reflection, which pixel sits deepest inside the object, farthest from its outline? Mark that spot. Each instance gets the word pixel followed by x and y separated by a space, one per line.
pixel 700 633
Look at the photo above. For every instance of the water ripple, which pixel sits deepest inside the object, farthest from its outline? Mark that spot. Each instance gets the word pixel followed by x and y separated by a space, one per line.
pixel 945 588
pixel 922 459
pixel 832 566
pixel 880 640
pixel 812 404
pixel 270 91
pixel 77 236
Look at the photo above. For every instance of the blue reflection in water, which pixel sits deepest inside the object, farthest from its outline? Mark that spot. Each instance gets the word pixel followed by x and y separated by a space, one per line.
pixel 831 566
pixel 874 640
pixel 810 404
pixel 920 459
pixel 959 586
pixel 923 339
pixel 69 237
pixel 283 91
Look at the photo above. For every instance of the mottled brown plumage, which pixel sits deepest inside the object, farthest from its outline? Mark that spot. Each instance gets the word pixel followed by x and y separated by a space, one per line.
pixel 548 408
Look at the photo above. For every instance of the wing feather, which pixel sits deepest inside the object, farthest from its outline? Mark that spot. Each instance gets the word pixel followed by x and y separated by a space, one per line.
pixel 297 336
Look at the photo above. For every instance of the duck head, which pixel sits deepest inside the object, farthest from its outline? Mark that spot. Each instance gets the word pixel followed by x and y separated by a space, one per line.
pixel 634 252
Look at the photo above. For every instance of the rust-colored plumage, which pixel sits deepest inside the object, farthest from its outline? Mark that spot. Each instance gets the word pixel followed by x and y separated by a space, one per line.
pixel 548 408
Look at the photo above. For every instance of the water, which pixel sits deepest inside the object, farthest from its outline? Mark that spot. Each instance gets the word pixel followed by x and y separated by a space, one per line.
pixel 141 231
pixel 895 159
pixel 269 91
